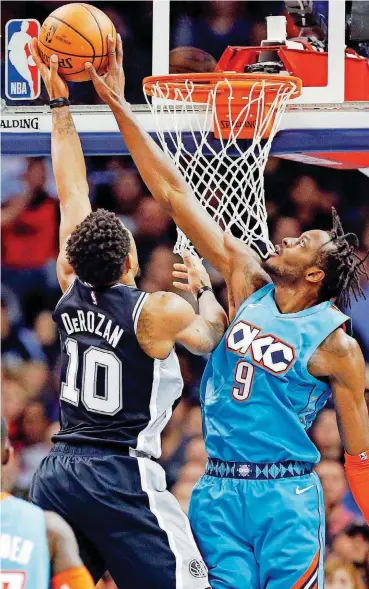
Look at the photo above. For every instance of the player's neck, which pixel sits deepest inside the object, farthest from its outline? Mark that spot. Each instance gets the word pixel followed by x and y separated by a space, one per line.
pixel 293 298
pixel 128 279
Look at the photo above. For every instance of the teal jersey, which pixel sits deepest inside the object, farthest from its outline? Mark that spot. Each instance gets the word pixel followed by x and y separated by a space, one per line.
pixel 24 552
pixel 257 395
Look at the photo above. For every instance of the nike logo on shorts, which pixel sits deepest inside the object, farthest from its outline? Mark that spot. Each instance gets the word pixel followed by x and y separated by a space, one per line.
pixel 299 491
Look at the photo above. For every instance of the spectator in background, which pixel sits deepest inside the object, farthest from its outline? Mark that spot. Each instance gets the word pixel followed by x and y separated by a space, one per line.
pixel 118 188
pixel 152 226
pixel 158 271
pixel 341 574
pixel 29 234
pixel 13 403
pixel 22 355
pixel 47 337
pixel 286 226
pixel 359 309
pixel 33 445
pixel 326 436
pixel 310 204
pixel 332 477
pixel 352 545
pixel 220 23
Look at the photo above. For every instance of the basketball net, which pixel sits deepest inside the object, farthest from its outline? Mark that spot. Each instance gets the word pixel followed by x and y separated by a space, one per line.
pixel 230 121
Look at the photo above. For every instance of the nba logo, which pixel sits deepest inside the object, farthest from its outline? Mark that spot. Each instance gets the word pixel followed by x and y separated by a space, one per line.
pixel 22 78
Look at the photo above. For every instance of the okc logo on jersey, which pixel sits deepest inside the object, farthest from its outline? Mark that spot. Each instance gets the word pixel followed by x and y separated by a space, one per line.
pixel 268 351
pixel 22 78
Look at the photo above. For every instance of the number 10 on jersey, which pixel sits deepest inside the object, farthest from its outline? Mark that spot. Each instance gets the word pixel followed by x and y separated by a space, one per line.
pixel 108 401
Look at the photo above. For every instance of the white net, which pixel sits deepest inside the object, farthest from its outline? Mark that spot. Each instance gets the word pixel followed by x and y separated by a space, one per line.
pixel 226 174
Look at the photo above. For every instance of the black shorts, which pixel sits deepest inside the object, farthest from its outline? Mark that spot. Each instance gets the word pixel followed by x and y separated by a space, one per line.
pixel 124 519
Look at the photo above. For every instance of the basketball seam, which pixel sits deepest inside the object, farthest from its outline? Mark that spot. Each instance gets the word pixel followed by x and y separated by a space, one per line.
pixel 74 54
pixel 88 57
pixel 75 30
pixel 100 31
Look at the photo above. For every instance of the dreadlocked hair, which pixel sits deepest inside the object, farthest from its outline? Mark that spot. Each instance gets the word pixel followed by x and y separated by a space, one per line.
pixel 98 248
pixel 342 266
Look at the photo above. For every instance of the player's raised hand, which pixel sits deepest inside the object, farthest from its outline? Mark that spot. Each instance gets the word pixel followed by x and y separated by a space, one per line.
pixel 110 86
pixel 193 272
pixel 55 85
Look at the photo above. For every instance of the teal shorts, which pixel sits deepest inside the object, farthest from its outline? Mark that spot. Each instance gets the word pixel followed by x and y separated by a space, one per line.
pixel 260 534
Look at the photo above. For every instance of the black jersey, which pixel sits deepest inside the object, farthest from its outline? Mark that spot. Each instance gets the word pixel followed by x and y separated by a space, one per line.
pixel 112 393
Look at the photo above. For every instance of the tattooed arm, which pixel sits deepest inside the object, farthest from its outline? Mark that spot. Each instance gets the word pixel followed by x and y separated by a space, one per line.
pixel 68 165
pixel 71 183
pixel 167 319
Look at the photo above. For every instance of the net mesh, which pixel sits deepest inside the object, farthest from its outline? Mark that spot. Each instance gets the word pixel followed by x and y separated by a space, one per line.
pixel 226 174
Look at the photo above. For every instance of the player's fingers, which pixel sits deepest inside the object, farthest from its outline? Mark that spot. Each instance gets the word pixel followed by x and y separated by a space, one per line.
pixel 37 57
pixel 181 275
pixel 182 286
pixel 54 64
pixel 188 259
pixel 91 71
pixel 112 56
pixel 119 50
pixel 180 267
pixel 35 52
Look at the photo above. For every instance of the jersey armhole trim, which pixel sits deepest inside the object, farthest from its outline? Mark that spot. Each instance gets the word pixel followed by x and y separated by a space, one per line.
pixel 138 308
pixel 343 320
pixel 64 295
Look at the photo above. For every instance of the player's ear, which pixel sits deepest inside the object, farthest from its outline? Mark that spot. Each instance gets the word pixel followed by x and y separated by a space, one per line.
pixel 128 264
pixel 314 274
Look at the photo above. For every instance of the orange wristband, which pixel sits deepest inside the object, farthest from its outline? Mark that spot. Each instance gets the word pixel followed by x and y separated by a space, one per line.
pixel 75 578
pixel 357 473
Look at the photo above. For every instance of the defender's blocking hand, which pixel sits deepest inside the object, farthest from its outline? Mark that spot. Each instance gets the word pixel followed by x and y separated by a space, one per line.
pixel 110 86
pixel 193 272
pixel 55 85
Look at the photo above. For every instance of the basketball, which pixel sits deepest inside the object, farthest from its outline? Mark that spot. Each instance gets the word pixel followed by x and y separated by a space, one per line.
pixel 183 60
pixel 76 33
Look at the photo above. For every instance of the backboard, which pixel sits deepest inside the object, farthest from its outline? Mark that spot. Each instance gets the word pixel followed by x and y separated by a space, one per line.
pixel 319 122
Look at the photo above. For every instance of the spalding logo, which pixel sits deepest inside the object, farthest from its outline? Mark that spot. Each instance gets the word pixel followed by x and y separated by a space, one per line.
pixel 198 569
pixel 65 63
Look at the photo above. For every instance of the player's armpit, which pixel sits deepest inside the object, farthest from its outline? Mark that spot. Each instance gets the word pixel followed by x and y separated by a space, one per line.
pixel 75 578
pixel 64 271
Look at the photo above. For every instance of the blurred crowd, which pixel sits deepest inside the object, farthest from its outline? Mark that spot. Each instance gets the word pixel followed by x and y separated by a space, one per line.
pixel 298 197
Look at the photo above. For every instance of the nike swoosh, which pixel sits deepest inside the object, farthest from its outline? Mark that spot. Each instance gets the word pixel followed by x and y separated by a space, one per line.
pixel 299 491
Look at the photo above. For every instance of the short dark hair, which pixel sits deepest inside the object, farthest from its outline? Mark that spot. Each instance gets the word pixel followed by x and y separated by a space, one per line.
pixel 342 266
pixel 98 248
pixel 357 529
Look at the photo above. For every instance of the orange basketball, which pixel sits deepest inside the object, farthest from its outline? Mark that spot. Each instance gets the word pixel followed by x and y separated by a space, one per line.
pixel 77 33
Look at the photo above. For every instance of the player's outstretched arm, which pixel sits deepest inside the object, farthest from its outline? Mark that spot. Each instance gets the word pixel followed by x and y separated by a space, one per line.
pixel 168 186
pixel 68 163
pixel 66 566
pixel 167 318
pixel 345 368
